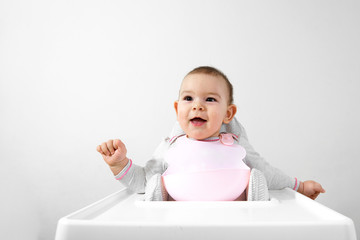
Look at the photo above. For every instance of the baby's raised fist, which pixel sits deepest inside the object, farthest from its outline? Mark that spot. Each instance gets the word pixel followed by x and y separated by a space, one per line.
pixel 113 152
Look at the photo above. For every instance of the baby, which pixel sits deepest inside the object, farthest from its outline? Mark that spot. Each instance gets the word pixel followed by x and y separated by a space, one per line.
pixel 204 110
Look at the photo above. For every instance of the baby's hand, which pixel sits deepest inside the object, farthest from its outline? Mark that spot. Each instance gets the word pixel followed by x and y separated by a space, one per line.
pixel 114 154
pixel 311 189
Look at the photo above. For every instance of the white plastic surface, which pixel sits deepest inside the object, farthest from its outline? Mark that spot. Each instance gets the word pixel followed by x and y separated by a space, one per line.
pixel 123 215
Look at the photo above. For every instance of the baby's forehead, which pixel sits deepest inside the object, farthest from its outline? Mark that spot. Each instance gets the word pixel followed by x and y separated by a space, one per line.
pixel 204 81
pixel 200 83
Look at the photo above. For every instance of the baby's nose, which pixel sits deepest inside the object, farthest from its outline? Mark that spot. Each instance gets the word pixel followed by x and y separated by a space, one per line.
pixel 198 106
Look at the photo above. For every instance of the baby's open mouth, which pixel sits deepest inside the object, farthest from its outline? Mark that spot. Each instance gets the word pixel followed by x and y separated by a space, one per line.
pixel 197 121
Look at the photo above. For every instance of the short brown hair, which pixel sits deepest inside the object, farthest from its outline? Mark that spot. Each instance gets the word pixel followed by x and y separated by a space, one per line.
pixel 215 72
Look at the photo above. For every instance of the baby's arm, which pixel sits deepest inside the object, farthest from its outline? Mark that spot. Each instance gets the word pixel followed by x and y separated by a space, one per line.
pixel 114 154
pixel 131 175
pixel 275 178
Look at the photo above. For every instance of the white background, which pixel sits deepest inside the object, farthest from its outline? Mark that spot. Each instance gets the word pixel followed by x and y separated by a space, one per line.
pixel 75 73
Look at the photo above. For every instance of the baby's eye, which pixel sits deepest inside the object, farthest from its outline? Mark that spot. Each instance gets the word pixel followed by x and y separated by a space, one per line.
pixel 211 99
pixel 188 98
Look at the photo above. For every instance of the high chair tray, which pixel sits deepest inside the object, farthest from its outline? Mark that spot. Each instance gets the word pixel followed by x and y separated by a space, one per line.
pixel 124 215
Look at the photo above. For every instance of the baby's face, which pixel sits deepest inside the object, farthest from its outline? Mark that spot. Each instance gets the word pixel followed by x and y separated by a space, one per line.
pixel 203 105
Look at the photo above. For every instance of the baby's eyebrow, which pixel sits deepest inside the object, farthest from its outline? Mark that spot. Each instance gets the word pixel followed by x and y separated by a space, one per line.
pixel 186 92
pixel 215 94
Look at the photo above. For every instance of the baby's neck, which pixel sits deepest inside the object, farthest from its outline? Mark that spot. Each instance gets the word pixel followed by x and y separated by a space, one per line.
pixel 205 139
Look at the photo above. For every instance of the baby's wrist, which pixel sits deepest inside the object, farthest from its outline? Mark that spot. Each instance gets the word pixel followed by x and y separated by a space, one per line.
pixel 301 187
pixel 118 167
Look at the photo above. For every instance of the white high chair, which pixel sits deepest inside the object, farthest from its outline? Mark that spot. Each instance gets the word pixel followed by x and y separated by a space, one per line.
pixel 124 215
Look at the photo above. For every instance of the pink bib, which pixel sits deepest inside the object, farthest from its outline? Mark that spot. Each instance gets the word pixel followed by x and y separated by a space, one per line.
pixel 206 170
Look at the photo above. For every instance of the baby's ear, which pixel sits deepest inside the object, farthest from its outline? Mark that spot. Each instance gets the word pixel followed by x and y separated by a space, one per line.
pixel 176 103
pixel 230 113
